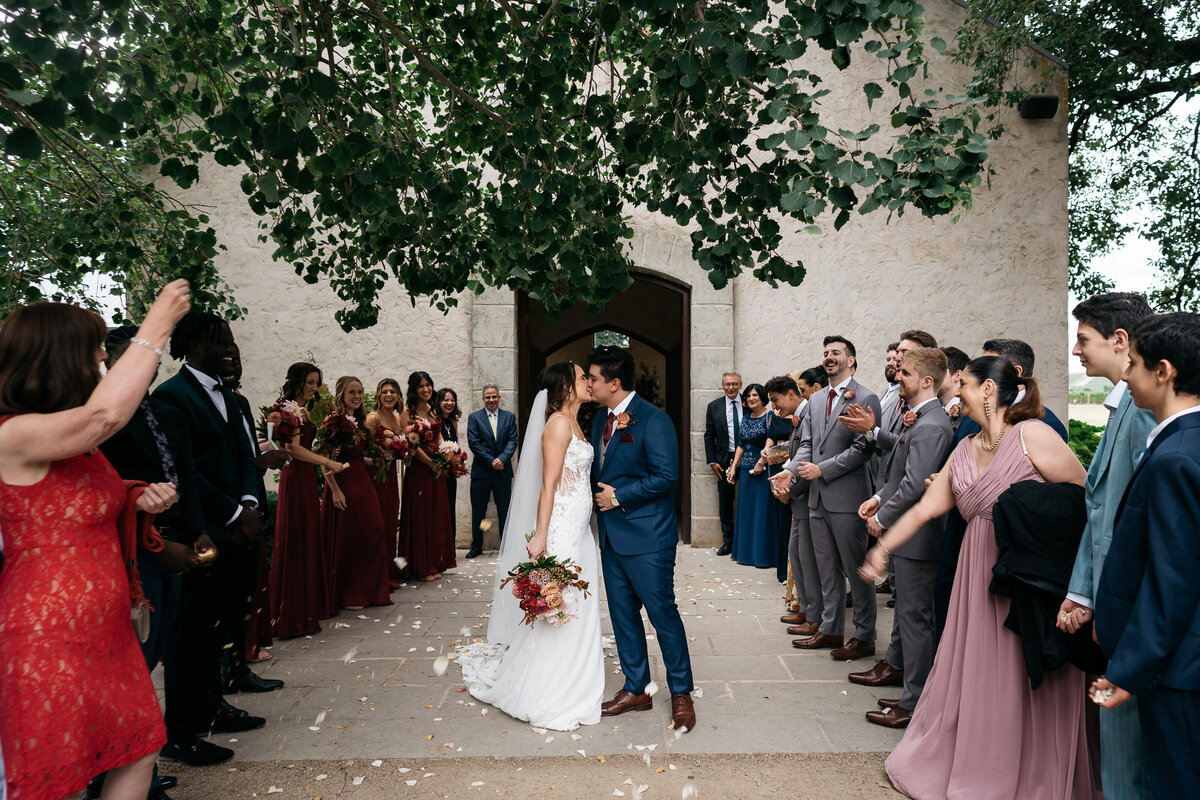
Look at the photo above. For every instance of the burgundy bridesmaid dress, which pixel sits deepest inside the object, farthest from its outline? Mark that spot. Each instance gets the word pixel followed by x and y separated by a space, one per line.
pixel 355 539
pixel 426 533
pixel 299 594
pixel 388 492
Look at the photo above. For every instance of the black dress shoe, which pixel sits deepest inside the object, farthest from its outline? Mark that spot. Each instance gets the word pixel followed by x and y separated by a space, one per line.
pixel 235 720
pixel 891 603
pixel 249 682
pixel 167 782
pixel 196 754
pixel 724 550
pixel 158 793
pixel 849 600
pixel 473 553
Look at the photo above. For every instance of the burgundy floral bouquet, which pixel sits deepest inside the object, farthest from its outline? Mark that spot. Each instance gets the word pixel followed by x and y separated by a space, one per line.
pixel 421 436
pixel 391 447
pixel 281 421
pixel 540 586
pixel 450 459
pixel 338 432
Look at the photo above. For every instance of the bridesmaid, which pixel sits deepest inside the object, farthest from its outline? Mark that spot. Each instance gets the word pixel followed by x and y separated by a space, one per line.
pixel 386 413
pixel 355 544
pixel 426 538
pixel 299 593
pixel 448 410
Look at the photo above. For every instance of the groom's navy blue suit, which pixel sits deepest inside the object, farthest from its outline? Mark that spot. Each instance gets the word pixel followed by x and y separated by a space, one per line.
pixel 638 539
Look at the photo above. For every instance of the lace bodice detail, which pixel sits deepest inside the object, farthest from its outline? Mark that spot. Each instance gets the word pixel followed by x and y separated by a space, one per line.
pixel 572 501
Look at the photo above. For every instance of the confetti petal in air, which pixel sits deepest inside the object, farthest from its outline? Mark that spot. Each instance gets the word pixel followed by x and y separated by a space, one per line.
pixel 651 688
pixel 689 792
pixel 346 659
pixel 320 717
pixel 439 665
pixel 400 561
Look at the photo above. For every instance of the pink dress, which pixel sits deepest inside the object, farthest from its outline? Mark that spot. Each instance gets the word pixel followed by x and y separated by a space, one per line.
pixel 979 731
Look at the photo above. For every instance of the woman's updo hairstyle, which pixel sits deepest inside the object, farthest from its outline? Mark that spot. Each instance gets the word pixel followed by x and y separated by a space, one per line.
pixel 1001 372
pixel 558 380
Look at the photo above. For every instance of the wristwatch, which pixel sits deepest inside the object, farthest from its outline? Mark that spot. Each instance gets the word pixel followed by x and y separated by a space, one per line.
pixel 871 434
pixel 615 502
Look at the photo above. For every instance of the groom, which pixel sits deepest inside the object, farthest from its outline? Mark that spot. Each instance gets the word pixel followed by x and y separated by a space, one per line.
pixel 635 470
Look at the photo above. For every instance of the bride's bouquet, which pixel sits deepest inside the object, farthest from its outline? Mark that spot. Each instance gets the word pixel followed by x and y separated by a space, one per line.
pixel 540 585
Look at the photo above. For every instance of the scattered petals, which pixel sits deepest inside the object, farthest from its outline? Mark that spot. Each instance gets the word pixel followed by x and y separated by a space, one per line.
pixel 439 665
pixel 358 781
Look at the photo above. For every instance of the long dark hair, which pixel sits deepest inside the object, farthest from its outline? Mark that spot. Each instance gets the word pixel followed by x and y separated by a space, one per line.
pixel 48 358
pixel 440 395
pixel 293 383
pixel 1001 372
pixel 395 384
pixel 558 379
pixel 410 398
pixel 339 399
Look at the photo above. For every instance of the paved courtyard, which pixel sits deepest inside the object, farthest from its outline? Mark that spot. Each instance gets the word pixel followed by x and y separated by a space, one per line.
pixel 367 689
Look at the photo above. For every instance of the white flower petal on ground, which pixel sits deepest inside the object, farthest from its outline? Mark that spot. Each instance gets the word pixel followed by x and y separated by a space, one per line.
pixel 405 770
pixel 679 732
pixel 618 793
pixel 274 790
pixel 322 776
pixel 410 783
pixel 346 659
pixel 358 781
pixel 698 693
pixel 377 763
pixel 477 783
pixel 314 728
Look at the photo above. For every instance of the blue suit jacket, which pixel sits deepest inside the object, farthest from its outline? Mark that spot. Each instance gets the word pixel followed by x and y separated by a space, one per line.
pixel 642 466
pixel 1116 457
pixel 486 447
pixel 1148 600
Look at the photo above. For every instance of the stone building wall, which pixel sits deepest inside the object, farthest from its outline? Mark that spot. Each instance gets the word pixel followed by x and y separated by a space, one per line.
pixel 999 271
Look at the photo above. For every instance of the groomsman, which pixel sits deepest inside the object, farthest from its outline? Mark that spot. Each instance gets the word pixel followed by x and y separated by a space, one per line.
pixel 228 486
pixel 834 462
pixel 786 400
pixel 492 437
pixel 1148 599
pixel 1102 346
pixel 919 437
pixel 722 423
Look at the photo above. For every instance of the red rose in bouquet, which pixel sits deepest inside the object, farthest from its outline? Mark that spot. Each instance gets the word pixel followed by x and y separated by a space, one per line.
pixel 420 435
pixel 281 421
pixel 338 431
pixel 391 447
pixel 541 587
pixel 450 459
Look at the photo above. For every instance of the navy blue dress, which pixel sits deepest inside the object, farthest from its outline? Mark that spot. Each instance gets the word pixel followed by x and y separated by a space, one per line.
pixel 760 528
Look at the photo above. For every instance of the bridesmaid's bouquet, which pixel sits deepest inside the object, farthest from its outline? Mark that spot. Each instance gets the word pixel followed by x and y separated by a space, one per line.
pixel 281 421
pixel 540 585
pixel 391 447
pixel 338 431
pixel 450 459
pixel 420 435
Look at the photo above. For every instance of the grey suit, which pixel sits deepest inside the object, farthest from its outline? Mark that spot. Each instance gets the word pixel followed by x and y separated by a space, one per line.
pixel 800 549
pixel 918 451
pixel 887 405
pixel 839 537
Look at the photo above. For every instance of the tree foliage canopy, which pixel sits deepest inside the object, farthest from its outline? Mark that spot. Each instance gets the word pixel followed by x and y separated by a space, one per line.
pixel 448 146
pixel 1134 70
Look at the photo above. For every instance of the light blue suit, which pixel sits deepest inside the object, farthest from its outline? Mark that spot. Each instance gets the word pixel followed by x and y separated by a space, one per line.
pixel 1122 757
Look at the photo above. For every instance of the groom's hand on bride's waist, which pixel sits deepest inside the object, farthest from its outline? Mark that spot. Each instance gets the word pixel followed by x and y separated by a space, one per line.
pixel 606 498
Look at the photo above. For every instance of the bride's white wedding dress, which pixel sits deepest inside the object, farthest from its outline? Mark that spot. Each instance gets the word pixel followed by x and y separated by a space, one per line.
pixel 551 677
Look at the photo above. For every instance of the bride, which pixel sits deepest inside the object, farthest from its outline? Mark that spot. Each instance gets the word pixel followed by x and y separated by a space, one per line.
pixel 552 677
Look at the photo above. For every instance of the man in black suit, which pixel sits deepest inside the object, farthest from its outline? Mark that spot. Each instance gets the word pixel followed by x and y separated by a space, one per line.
pixel 492 437
pixel 722 424
pixel 228 488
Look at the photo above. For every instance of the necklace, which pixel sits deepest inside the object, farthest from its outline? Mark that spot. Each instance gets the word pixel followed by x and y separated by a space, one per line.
pixel 995 444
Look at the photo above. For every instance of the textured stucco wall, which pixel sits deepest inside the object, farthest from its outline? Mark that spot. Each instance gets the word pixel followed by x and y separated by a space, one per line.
pixel 999 271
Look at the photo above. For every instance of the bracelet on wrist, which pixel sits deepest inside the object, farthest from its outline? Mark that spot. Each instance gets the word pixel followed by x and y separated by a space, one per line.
pixel 879 544
pixel 147 344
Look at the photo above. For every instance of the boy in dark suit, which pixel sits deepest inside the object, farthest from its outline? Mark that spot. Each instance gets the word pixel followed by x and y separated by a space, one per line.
pixel 1147 615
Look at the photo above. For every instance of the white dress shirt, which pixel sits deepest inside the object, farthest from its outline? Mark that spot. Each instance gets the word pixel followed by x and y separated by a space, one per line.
pixel 733 405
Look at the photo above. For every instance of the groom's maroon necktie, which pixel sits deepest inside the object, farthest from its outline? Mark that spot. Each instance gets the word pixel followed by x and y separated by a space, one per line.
pixel 608 427
pixel 829 403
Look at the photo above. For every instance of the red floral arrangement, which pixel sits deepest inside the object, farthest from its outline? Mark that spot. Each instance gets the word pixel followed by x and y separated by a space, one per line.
pixel 338 431
pixel 541 586
pixel 282 420
pixel 392 447
pixel 450 459
pixel 420 435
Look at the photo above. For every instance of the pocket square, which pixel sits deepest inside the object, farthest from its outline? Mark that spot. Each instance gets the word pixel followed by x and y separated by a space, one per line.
pixel 625 437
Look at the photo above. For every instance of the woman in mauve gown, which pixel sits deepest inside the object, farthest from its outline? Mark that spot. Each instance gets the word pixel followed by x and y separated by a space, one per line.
pixel 355 542
pixel 299 593
pixel 979 731
pixel 385 413
pixel 426 538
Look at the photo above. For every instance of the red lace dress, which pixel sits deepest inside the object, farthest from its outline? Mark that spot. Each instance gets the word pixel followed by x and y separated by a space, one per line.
pixel 75 696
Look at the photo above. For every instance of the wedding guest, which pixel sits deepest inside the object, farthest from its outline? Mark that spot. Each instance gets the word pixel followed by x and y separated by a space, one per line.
pixel 957 361
pixel 426 537
pixel 920 435
pixel 299 588
pixel 979 729
pixel 891 368
pixel 790 401
pixel 387 414
pixel 75 692
pixel 355 539
pixel 759 528
pixel 834 462
pixel 1102 346
pixel 722 432
pixel 1021 356
pixel 1148 599
pixel 448 410
pixel 211 600
pixel 492 437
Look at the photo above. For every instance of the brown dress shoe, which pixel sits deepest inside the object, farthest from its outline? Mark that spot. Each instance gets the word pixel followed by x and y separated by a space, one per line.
pixel 891 717
pixel 683 713
pixel 854 649
pixel 886 703
pixel 883 588
pixel 625 701
pixel 794 619
pixel 817 641
pixel 806 629
pixel 882 674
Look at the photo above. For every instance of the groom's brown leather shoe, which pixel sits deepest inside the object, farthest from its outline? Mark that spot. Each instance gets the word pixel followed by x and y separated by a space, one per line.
pixel 817 640
pixel 797 618
pixel 625 701
pixel 891 717
pixel 803 629
pixel 882 674
pixel 855 648
pixel 683 713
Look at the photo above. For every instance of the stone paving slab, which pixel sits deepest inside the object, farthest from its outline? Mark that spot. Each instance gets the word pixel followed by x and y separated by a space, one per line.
pixel 756 693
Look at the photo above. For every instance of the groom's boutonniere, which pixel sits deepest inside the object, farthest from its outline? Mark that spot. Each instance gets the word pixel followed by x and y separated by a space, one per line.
pixel 623 422
pixel 910 417
pixel 849 394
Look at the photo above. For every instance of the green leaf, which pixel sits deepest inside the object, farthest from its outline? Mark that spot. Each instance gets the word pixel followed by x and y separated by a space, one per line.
pixel 873 91
pixel 23 142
